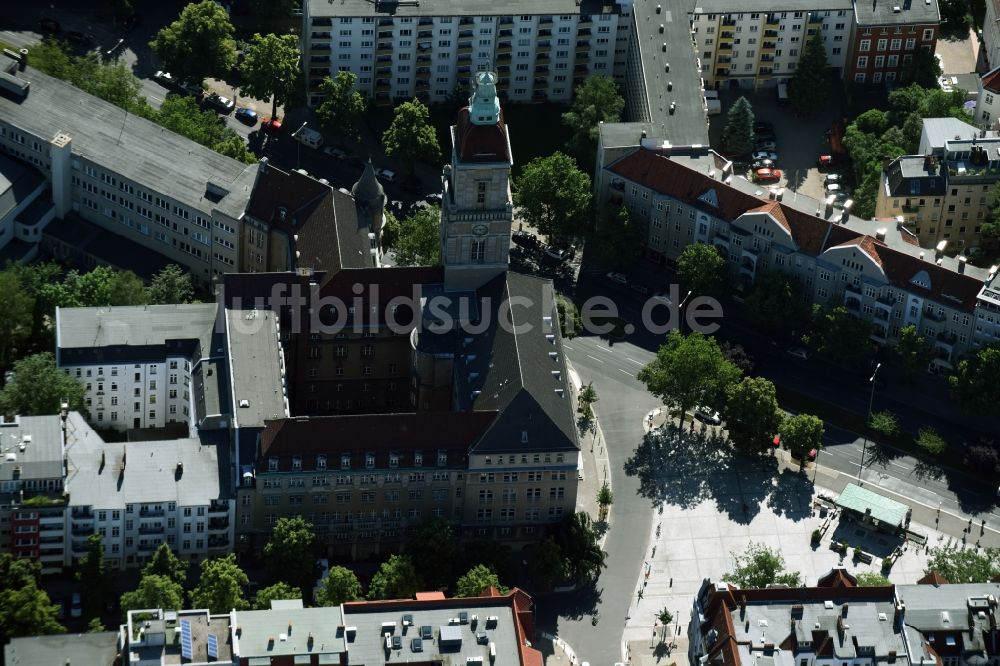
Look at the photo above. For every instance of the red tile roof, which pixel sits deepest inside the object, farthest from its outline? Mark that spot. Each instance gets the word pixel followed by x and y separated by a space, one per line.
pixel 933 578
pixel 991 80
pixel 867 244
pixel 774 209
pixel 430 596
pixel 481 143
pixel 837 578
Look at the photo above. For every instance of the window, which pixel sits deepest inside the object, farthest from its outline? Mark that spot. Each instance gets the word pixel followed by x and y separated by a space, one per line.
pixel 862 63
pixel 865 45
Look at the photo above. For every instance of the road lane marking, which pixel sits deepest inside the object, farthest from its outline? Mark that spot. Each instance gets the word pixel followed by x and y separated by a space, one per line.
pixel 566 346
pixel 634 361
pixel 595 358
pixel 626 372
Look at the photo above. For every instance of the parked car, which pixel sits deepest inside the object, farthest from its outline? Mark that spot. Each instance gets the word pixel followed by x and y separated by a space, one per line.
pixel 435 199
pixel 833 188
pixel 80 40
pixel 246 116
pixel 337 153
pixel 75 608
pixel 165 79
pixel 824 161
pixel 799 352
pixel 762 127
pixel 707 415
pixel 618 277
pixel 767 175
pixel 526 239
pixel 663 297
pixel 765 155
pixel 833 178
pixel 766 144
pixel 558 254
pixel 763 164
pixel 388 175
pixel 130 22
pixel 221 104
pixel 271 125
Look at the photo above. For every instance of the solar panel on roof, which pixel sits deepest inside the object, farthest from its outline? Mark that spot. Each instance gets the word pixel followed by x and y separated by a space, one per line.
pixel 186 649
pixel 213 646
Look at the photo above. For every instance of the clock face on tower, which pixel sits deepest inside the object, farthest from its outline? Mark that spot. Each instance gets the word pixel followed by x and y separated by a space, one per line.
pixel 480 229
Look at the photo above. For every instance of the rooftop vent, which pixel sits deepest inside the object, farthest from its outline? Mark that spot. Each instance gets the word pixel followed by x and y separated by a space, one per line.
pixel 244 403
pixel 896 9
pixel 828 605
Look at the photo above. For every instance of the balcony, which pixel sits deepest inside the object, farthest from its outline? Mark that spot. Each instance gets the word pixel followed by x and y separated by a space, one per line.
pixel 727 35
pixel 579 80
pixel 506 20
pixel 729 21
pixel 383 99
pixel 879 333
pixel 423 75
pixel 885 303
pixel 770 34
pixel 320 47
pixel 464 58
pixel 217 506
pixel 464 49
pixel 880 315
pixel 543 47
pixel 721 72
pixel 724 60
pixel 583 57
pixel 465 20
pixel 721 242
pixel 82 514
pixel 852 301
pixel 946 340
pixel 320 35
pixel 385 34
pixel 503 57
pixel 423 47
pixel 725 46
pixel 540 84
pixel 542 58
pixel 81 530
pixel 767 58
pixel 384 49
pixel 425 34
pixel 146 512
pixel 423 86
pixel 765 72
pixel 504 47
pixel 768 47
pixel 218 523
pixel 772 19
pixel 583 32
pixel 934 316
pixel 505 33
pixel 465 34
pixel 585 20
pixel 426 20
pixel 581 69
pixel 815 17
pixel 541 69
pixel 383 85
pixel 151 529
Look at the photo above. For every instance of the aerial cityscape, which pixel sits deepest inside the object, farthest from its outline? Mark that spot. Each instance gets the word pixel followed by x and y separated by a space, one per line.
pixel 539 333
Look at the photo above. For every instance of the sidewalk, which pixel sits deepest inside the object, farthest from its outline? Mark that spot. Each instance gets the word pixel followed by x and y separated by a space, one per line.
pixel 595 471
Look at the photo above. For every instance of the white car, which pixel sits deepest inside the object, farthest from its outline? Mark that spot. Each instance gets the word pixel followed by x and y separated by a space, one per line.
pixel 764 155
pixel 663 297
pixel 165 78
pixel 832 178
pixel 387 175
pixel 708 415
pixel 799 352
pixel 617 277
pixel 833 188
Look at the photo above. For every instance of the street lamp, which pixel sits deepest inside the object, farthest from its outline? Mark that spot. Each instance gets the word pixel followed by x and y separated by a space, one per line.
pixel 680 311
pixel 298 146
pixel 871 398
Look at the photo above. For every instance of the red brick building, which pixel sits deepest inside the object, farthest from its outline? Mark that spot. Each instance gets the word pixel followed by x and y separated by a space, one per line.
pixel 886 35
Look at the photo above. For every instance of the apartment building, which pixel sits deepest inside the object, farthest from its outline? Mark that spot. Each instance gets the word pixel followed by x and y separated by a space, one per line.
pixel 24 212
pixel 885 35
pixel 137 495
pixel 430 50
pixel 991 36
pixel 137 364
pixel 755 49
pixel 128 175
pixel 32 478
pixel 987 114
pixel 687 195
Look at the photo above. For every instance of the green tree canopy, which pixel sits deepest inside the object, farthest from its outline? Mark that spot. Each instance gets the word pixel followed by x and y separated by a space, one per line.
pixel 273 9
pixel 340 585
pixel 759 566
pixel 278 591
pixel 549 565
pixel 752 414
pixel 199 44
pixel 923 69
pixel 171 285
pixel 738 134
pixel 270 69
pixel 807 89
pixel 18 320
pixel 688 371
pixel 577 540
pixel 411 137
pixel 39 388
pixel 342 105
pixel 92 573
pixel 964 565
pixel 220 585
pixel 417 239
pixel 99 287
pixel 931 442
pixel 775 304
pixel 154 591
pixel 620 239
pixel 872 579
pixel 885 423
pixel 553 196
pixel 596 100
pixel 25 609
pixel 290 553
pixel 702 269
pixel 974 381
pixel 914 349
pixel 476 580
pixel 836 333
pixel 165 563
pixel 395 579
pixel 434 541
pixel 801 433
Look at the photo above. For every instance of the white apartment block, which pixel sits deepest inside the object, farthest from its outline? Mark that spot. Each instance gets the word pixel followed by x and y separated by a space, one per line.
pixel 130 176
pixel 755 49
pixel 137 364
pixel 429 50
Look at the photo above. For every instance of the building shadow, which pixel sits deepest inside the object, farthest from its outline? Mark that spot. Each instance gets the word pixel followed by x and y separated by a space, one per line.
pixel 870 541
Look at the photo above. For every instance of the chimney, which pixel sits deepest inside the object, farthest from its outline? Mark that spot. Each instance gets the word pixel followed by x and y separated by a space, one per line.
pixel 886 161
pixel 961 263
pixel 263 164
pixel 928 164
pixel 843 611
pixel 21 65
pixel 880 235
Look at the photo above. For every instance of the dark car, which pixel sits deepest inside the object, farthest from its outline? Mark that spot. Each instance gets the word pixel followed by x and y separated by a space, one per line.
pixel 761 127
pixel 434 198
pixel 246 116
pixel 49 26
pixel 525 239
pixel 763 164
pixel 219 103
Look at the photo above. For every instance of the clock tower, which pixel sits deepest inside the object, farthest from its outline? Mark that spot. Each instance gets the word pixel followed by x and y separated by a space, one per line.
pixel 477 210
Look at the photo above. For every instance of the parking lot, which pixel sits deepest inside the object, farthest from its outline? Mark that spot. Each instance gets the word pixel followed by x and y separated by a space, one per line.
pixel 800 141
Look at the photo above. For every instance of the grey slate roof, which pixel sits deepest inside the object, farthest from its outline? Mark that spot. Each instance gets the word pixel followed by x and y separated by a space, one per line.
pixel 453 7
pixel 367 188
pixel 883 12
pixel 17 181
pixel 908 177
pixel 140 150
pixel 936 131
pixel 150 470
pixel 724 7
pixel 100 649
pixel 42 455
pixel 256 367
pixel 516 374
pixel 133 333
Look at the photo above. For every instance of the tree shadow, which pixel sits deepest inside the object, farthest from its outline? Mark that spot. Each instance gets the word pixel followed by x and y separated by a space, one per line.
pixel 924 471
pixel 857 535
pixel 791 495
pixel 573 605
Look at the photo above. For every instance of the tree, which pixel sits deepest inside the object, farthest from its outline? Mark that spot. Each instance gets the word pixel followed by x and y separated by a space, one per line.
pixel 620 239
pixel 92 574
pixel 807 90
pixel 983 457
pixel 549 564
pixel 290 554
pixel 410 137
pixel 738 135
pixel 665 616
pixel 974 379
pixel 702 269
pixel 872 579
pixel 752 414
pixel 595 101
pixel 687 371
pixel 278 591
pixel 914 350
pixel 587 398
pixel 16 324
pixel 801 434
pixel 554 196
pixel 154 591
pixel 171 285
pixel 884 423
pixel 959 565
pixel 434 541
pixel 931 442
pixel 232 145
pixel 759 566
pixel 25 609
pixel 923 69
pixel 273 9
pixel 199 44
pixel 395 579
pixel 95 626
pixel 955 15
pixel 340 585
pixel 120 9
pixel 605 498
pixel 220 585
pixel 836 333
pixel 737 355
pixel 165 563
pixel 775 304
pixel 477 580
pixel 270 68
pixel 342 105
pixel 99 287
pixel 418 242
pixel 38 388
pixel 577 540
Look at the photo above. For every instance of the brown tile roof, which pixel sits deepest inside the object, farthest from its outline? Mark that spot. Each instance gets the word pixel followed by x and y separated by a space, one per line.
pixel 774 209
pixel 867 244
pixel 481 143
pixel 991 80
pixel 933 578
pixel 429 596
pixel 947 286
pixel 837 577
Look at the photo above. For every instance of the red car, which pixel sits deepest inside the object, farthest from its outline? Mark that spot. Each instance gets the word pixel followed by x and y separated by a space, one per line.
pixel 271 125
pixel 767 175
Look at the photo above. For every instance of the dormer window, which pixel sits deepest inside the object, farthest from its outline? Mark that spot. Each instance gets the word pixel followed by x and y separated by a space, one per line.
pixel 296 462
pixel 442 458
pixel 345 461
pixel 370 460
pixel 320 462
pixel 418 458
pixel 393 460
pixel 272 464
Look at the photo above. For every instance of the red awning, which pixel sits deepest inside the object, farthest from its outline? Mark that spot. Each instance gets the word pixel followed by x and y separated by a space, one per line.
pixel 777 440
